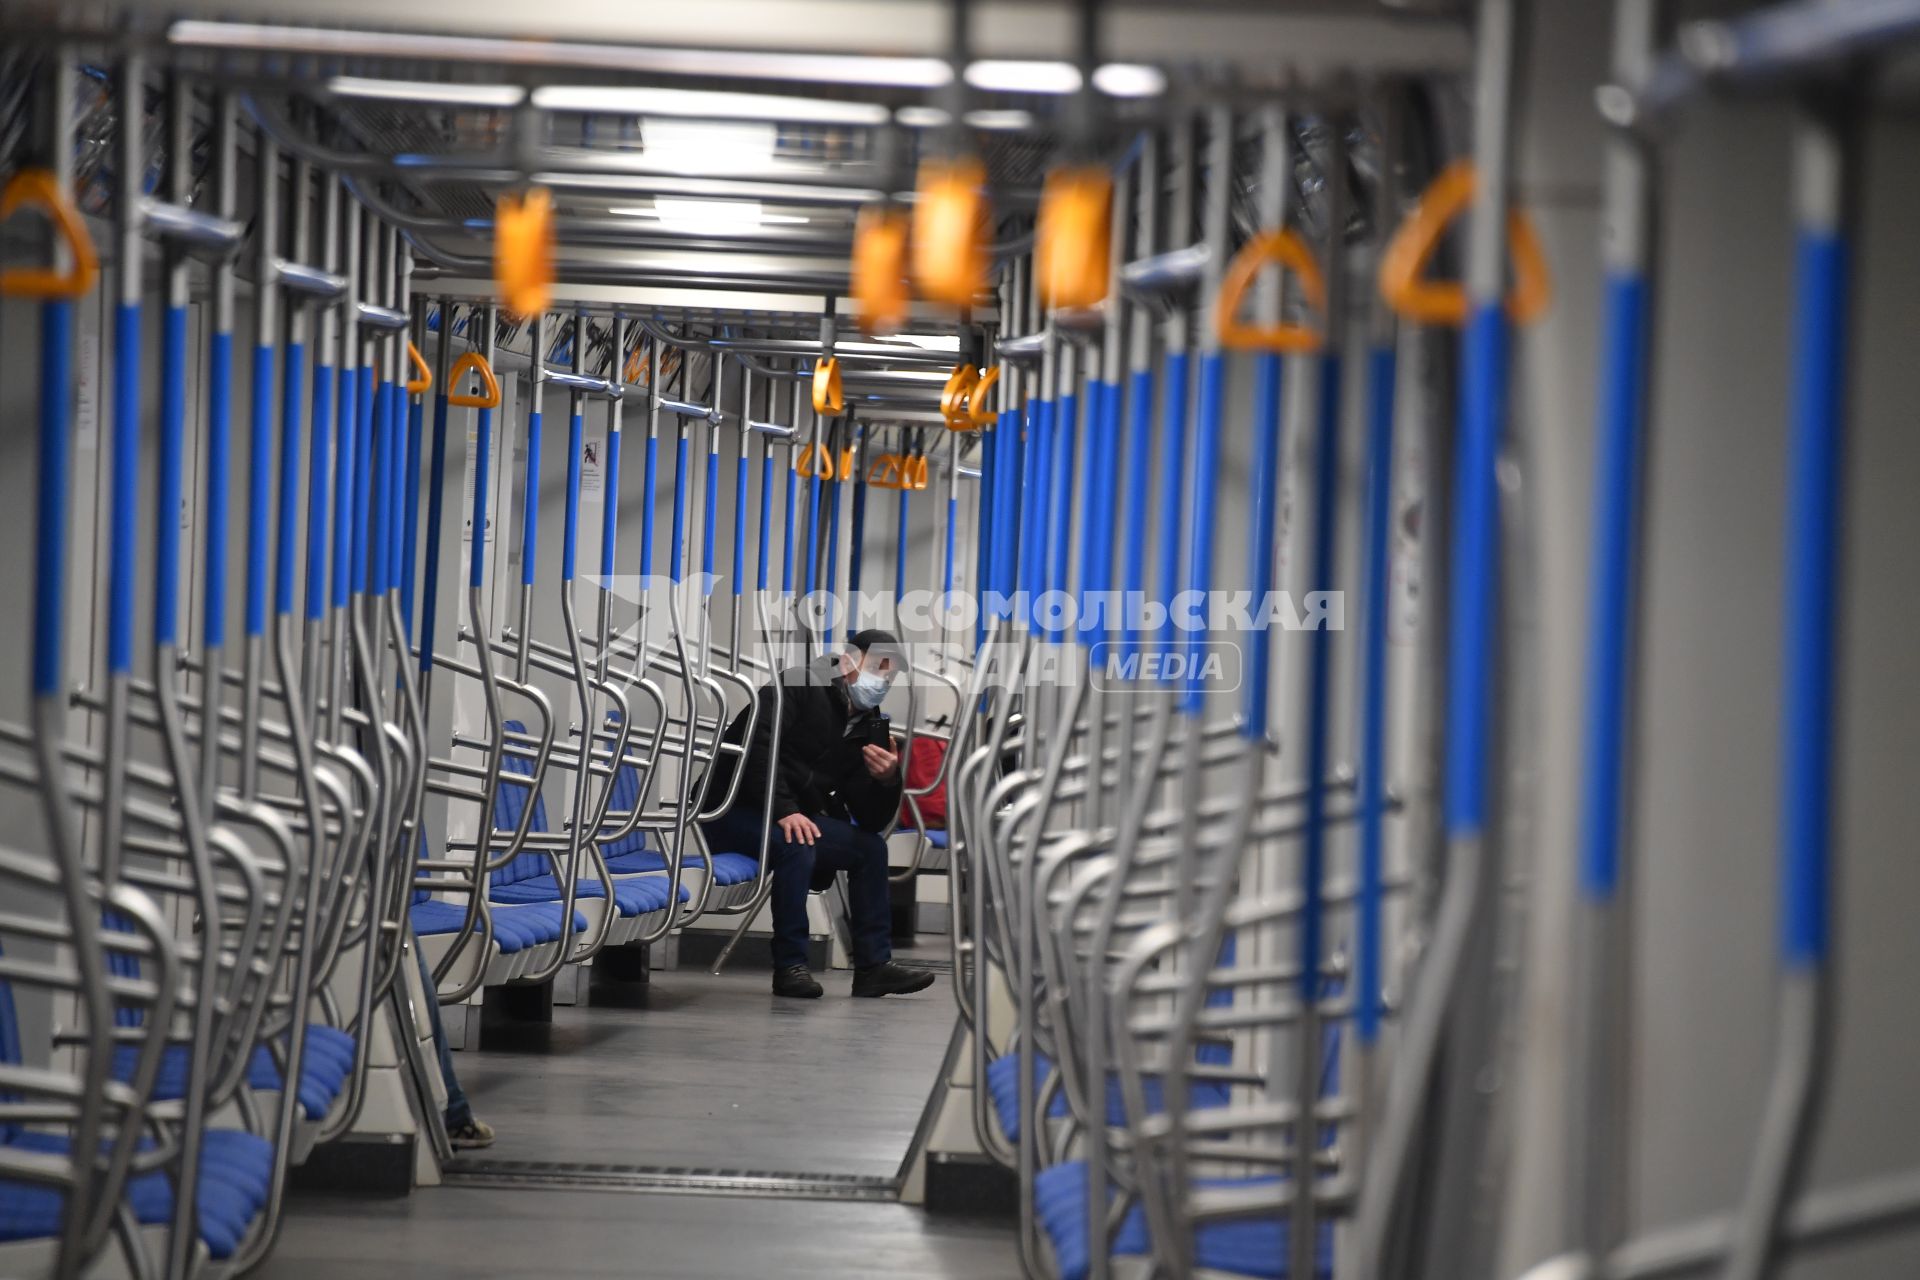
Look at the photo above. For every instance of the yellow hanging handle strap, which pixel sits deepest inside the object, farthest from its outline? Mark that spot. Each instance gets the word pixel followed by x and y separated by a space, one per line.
pixel 422 381
pixel 39 188
pixel 474 362
pixel 954 397
pixel 523 250
pixel 879 279
pixel 813 462
pixel 1403 266
pixel 1071 237
pixel 916 472
pixel 1283 247
pixel 828 397
pixel 950 220
pixel 979 401
pixel 885 471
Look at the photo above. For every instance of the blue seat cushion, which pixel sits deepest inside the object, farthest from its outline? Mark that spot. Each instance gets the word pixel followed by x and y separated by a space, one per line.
pixel 434 916
pixel 728 868
pixel 514 928
pixel 30 1211
pixel 1003 1087
pixel 630 897
pixel 644 895
pixel 236 1175
pixel 543 888
pixel 734 868
pixel 641 860
pixel 1243 1247
pixel 938 839
pixel 324 1069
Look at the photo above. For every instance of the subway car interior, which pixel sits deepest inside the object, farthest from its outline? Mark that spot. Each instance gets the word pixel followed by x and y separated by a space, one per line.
pixel 1070 639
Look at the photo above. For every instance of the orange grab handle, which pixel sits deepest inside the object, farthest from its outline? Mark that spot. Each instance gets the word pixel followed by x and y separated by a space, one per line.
pixel 845 470
pixel 523 250
pixel 828 397
pixel 1284 247
pixel 473 362
pixel 814 462
pixel 1071 239
pixel 879 279
pixel 979 406
pixel 950 219
pixel 39 188
pixel 953 396
pixel 884 471
pixel 917 477
pixel 1403 266
pixel 636 365
pixel 422 382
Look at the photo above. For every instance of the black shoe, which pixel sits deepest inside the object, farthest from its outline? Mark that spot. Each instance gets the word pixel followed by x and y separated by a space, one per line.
pixel 795 981
pixel 890 979
pixel 472 1135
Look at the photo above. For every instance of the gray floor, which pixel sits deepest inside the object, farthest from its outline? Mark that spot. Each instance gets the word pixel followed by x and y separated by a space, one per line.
pixel 699 1071
pixel 461 1233
pixel 719 1071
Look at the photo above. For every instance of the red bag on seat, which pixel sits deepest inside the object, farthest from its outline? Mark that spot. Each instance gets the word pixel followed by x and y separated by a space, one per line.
pixel 922 763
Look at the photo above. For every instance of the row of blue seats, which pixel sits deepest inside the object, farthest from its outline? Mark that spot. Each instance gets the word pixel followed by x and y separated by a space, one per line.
pixel 1255 1247
pixel 525 897
pixel 237 1168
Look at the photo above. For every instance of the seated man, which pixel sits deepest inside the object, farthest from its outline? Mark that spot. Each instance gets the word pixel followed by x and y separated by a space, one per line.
pixel 834 791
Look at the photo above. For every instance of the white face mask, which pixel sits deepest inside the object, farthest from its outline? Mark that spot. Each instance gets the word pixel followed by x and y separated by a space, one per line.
pixel 868 690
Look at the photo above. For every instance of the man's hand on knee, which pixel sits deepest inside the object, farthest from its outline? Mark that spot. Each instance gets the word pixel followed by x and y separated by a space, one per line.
pixel 798 828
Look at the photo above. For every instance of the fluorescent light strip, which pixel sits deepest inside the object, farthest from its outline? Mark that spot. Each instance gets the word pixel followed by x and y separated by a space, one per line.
pixel 721 213
pixel 696 188
pixel 996 75
pixel 700 104
pixel 926 341
pixel 920 117
pixel 1129 80
pixel 985 120
pixel 452 95
pixel 1002 121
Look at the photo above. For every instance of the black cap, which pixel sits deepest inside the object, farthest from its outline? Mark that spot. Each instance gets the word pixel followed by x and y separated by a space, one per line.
pixel 885 641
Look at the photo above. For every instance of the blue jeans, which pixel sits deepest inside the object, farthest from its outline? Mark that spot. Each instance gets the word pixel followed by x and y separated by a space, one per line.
pixel 459 1113
pixel 796 868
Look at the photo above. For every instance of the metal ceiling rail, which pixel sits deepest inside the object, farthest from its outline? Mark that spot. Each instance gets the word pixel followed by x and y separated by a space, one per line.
pixel 801 68
pixel 771 279
pixel 567 169
pixel 844 351
pixel 779 49
pixel 1767 48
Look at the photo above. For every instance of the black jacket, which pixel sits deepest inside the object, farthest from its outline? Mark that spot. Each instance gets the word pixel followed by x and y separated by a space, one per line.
pixel 822 770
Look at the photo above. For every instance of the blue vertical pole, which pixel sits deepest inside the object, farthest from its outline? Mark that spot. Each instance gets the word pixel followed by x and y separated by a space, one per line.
pixel 1369 971
pixel 1210 417
pixel 436 507
pixel 1173 461
pixel 50 515
pixel 1066 425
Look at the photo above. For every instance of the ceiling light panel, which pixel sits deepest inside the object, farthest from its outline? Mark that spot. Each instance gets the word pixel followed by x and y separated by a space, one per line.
pixel 501 96
pixel 700 104
pixel 995 75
